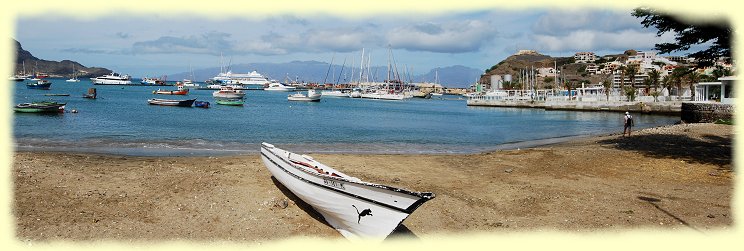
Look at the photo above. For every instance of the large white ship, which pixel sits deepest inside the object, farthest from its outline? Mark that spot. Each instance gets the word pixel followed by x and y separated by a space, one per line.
pixel 112 79
pixel 250 81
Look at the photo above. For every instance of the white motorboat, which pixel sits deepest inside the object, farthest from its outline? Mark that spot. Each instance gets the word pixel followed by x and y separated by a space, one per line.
pixel 311 96
pixel 383 95
pixel 335 93
pixel 112 79
pixel 357 209
pixel 228 92
pixel 355 94
pixel 276 86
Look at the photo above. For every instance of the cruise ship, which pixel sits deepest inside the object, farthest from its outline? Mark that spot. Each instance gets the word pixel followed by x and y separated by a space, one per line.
pixel 112 79
pixel 249 81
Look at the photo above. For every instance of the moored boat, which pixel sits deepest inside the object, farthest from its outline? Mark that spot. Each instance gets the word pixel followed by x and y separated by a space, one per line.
pixel 171 102
pixel 355 208
pixel 202 104
pixel 112 79
pixel 40 107
pixel 311 96
pixel 228 92
pixel 41 84
pixel 233 102
pixel 276 86
pixel 91 93
pixel 179 91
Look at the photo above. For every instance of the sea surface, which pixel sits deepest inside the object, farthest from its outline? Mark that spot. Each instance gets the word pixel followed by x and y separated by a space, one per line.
pixel 120 121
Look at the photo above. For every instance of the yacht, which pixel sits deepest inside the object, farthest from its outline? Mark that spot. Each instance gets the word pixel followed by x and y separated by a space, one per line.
pixel 311 96
pixel 249 81
pixel 276 86
pixel 112 79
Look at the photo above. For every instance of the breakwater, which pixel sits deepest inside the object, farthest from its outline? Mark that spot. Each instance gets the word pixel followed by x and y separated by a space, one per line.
pixel 706 112
pixel 666 108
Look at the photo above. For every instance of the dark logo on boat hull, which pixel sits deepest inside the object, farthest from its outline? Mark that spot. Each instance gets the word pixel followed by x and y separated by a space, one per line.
pixel 364 212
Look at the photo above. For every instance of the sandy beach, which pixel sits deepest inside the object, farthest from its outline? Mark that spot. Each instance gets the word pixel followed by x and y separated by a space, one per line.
pixel 673 177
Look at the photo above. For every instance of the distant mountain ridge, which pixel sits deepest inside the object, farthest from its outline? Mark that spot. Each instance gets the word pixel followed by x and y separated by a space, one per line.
pixel 314 71
pixel 62 68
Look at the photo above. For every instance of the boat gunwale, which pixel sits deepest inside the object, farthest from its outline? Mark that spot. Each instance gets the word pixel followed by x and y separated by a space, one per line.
pixel 423 196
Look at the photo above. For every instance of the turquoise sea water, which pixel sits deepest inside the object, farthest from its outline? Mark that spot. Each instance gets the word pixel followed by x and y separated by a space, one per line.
pixel 120 121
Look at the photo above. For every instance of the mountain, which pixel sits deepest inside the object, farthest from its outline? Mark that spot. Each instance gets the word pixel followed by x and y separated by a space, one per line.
pixel 62 69
pixel 316 72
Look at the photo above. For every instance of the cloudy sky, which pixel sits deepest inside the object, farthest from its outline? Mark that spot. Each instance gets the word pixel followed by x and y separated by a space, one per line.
pixel 152 44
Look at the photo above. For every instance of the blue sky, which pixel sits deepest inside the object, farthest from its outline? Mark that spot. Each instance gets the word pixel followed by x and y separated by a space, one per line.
pixel 153 44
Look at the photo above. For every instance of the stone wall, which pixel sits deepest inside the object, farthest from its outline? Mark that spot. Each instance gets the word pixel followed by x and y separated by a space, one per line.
pixel 706 112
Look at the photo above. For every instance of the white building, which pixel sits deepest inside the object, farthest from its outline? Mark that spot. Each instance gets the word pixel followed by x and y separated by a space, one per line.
pixel 585 57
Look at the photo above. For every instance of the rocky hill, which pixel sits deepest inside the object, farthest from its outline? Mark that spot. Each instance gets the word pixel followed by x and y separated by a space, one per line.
pixel 513 64
pixel 62 69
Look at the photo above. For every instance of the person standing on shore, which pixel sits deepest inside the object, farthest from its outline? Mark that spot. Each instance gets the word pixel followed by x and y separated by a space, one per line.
pixel 628 123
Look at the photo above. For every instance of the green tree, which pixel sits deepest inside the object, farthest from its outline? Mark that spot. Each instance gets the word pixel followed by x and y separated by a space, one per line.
pixel 667 82
pixel 630 93
pixel 679 78
pixel 653 81
pixel 607 84
pixel 716 34
pixel 631 70
pixel 692 79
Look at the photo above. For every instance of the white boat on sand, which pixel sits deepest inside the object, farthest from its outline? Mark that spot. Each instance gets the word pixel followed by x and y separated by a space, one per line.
pixel 357 209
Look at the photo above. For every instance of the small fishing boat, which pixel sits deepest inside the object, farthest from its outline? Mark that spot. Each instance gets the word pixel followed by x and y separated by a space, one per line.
pixel 152 81
pixel 233 102
pixel 202 104
pixel 40 84
pixel 91 93
pixel 311 96
pixel 228 92
pixel 171 102
pixel 179 91
pixel 40 107
pixel 355 208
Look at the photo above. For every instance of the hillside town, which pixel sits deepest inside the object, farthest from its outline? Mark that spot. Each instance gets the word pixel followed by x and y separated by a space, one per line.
pixel 634 76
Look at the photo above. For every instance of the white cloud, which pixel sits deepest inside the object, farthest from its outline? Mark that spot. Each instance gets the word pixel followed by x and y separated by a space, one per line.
pixel 561 22
pixel 589 40
pixel 452 37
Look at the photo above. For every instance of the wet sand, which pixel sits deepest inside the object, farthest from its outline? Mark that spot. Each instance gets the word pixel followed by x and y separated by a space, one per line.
pixel 675 177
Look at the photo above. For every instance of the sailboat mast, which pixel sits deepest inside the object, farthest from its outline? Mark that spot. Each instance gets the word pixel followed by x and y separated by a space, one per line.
pixel 361 66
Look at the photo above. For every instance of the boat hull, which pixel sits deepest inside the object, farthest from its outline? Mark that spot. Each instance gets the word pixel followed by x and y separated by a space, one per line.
pixel 384 96
pixel 178 92
pixel 41 107
pixel 230 102
pixel 169 102
pixel 356 209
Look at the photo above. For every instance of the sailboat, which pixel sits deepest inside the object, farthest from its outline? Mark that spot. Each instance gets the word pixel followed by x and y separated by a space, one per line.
pixel 436 83
pixel 74 76
pixel 393 79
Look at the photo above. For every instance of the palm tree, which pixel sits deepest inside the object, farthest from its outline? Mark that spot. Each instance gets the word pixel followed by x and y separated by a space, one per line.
pixel 607 84
pixel 653 79
pixel 667 81
pixel 632 70
pixel 679 79
pixel 622 70
pixel 693 78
